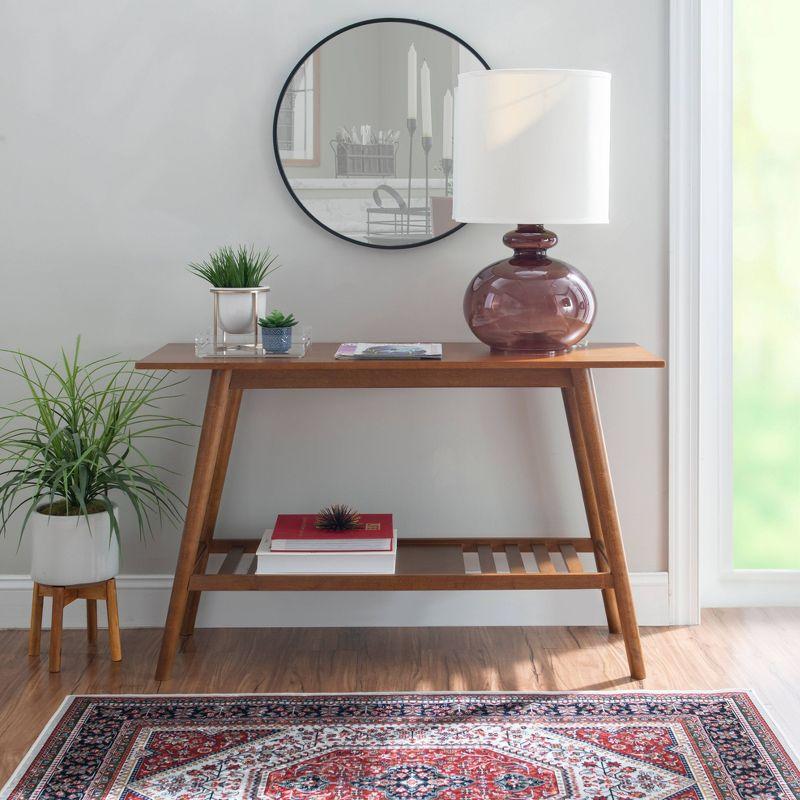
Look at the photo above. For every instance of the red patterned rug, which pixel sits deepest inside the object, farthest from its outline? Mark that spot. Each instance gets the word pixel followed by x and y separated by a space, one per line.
pixel 597 746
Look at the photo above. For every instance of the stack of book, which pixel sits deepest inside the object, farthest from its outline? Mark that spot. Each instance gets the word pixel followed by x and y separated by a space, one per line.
pixel 295 546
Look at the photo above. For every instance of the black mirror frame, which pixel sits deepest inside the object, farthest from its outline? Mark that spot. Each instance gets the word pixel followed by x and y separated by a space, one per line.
pixel 297 66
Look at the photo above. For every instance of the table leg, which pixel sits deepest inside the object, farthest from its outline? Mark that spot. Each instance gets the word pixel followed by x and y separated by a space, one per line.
pixel 590 502
pixel 212 509
pixel 35 637
pixel 205 461
pixel 56 626
pixel 112 614
pixel 609 518
pixel 91 621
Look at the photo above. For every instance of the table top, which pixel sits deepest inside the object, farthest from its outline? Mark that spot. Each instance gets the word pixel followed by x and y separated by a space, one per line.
pixel 459 356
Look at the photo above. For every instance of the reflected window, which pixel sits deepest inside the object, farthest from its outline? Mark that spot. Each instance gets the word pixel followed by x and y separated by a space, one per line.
pixel 297 125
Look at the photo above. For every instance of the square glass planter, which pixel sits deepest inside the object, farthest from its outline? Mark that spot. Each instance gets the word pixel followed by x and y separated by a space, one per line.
pixel 242 345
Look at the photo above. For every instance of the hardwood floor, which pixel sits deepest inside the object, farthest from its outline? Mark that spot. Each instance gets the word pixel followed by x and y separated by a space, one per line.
pixel 756 649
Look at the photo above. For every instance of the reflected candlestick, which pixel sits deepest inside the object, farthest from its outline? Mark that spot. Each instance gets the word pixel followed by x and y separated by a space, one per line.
pixel 411 124
pixel 447 168
pixel 427 143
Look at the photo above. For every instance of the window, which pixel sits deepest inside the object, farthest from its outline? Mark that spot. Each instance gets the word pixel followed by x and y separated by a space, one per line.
pixel 766 285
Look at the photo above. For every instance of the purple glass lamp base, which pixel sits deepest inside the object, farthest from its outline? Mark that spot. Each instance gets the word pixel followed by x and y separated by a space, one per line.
pixel 530 303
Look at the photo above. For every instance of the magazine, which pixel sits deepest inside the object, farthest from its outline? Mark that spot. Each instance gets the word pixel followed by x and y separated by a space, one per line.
pixel 402 351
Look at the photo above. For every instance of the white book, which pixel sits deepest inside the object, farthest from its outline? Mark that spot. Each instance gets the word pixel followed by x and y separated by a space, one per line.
pixel 270 562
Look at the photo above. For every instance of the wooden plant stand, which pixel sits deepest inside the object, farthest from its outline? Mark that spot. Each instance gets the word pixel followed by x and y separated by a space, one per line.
pixel 422 564
pixel 63 596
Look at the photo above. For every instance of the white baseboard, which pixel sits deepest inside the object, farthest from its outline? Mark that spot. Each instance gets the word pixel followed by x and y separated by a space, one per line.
pixel 143 601
pixel 752 588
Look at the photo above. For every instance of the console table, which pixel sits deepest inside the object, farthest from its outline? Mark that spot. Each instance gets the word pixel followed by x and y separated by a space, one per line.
pixel 422 564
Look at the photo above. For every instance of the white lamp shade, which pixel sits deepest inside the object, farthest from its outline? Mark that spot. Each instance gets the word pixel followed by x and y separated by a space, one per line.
pixel 532 146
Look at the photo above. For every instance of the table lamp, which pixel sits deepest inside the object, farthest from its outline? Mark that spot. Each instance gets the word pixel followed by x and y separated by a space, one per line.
pixel 531 147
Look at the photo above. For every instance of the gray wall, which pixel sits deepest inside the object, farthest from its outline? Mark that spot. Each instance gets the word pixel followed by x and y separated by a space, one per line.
pixel 135 137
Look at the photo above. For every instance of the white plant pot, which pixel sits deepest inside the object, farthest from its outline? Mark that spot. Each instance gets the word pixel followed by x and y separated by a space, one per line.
pixel 236 308
pixel 73 550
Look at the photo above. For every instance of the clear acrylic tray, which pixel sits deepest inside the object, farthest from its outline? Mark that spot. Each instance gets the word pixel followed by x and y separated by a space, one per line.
pixel 242 346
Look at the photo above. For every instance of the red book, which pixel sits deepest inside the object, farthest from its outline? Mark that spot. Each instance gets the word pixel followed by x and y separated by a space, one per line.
pixel 298 532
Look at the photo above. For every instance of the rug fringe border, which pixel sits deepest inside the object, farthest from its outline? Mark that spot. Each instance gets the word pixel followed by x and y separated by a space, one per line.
pixel 429 692
pixel 777 731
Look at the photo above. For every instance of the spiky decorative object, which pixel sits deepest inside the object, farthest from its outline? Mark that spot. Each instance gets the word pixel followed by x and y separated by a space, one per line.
pixel 337 518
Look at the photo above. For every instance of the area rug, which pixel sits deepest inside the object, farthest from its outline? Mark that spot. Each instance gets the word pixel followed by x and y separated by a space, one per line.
pixel 597 746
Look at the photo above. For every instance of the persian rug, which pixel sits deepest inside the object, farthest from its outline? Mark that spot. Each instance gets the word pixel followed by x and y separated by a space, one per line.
pixel 597 746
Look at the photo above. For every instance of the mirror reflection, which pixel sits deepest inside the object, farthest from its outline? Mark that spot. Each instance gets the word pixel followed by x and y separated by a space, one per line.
pixel 363 132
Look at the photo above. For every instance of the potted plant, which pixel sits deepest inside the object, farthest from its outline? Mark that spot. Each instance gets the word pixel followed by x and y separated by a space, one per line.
pixel 234 275
pixel 72 445
pixel 276 331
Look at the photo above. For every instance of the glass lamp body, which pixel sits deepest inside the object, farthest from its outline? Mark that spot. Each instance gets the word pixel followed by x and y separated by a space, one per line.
pixel 530 302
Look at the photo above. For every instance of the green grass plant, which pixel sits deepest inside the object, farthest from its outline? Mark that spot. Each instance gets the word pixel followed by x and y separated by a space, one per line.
pixel 240 268
pixel 75 440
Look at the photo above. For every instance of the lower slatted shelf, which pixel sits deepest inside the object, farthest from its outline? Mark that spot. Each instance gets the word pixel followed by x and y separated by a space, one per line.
pixel 425 565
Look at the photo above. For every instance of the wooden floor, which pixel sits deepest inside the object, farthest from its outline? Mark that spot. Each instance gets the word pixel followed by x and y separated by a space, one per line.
pixel 757 649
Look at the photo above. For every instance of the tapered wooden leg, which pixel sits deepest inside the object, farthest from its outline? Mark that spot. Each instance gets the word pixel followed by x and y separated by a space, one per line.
pixel 609 518
pixel 112 612
pixel 91 621
pixel 35 635
pixel 212 509
pixel 590 503
pixel 56 626
pixel 205 461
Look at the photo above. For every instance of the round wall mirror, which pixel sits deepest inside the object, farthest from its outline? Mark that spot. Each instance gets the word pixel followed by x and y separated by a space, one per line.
pixel 363 131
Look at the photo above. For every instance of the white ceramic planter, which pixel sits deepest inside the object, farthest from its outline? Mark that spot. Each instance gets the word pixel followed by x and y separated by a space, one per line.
pixel 236 308
pixel 73 550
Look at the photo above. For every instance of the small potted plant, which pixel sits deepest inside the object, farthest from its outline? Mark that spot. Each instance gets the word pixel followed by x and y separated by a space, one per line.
pixel 276 331
pixel 235 275
pixel 72 445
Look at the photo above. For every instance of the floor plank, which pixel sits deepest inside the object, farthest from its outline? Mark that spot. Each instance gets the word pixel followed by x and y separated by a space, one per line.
pixel 757 649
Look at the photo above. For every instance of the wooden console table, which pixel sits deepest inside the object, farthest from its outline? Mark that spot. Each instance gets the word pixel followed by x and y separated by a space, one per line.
pixel 422 564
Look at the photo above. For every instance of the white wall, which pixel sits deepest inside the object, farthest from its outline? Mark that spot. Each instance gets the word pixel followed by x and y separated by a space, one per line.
pixel 136 136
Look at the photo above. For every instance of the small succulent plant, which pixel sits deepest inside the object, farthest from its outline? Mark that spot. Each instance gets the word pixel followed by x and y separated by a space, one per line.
pixel 277 319
pixel 338 518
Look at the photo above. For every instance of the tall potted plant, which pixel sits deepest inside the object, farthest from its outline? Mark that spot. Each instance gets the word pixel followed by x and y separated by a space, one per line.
pixel 230 271
pixel 69 448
